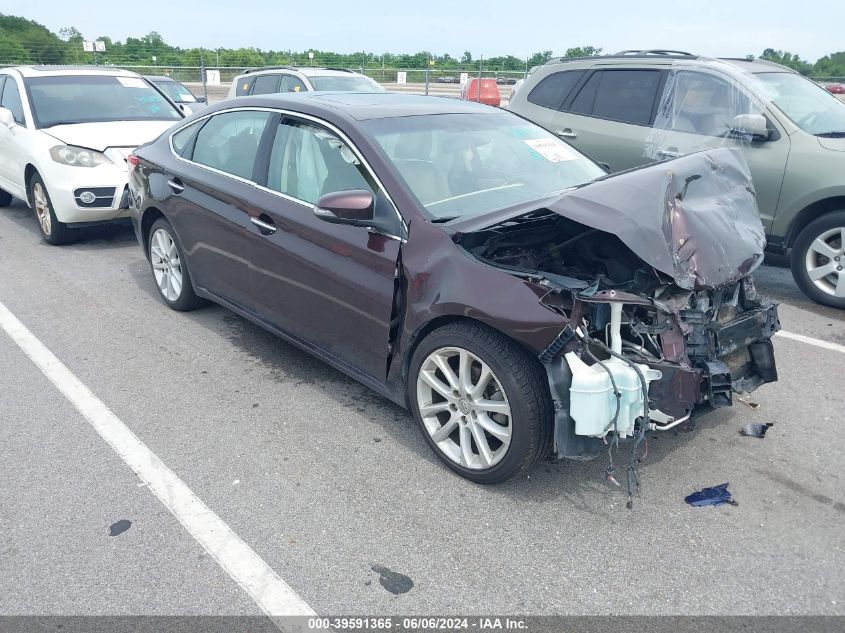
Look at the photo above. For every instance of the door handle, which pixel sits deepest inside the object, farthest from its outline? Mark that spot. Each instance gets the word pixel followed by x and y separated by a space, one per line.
pixel 668 154
pixel 265 226
pixel 567 133
pixel 176 185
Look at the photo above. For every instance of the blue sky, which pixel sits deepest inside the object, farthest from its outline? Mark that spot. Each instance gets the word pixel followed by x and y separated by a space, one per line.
pixel 708 27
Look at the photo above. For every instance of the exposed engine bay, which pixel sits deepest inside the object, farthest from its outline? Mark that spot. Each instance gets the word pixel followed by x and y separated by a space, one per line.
pixel 694 347
pixel 663 318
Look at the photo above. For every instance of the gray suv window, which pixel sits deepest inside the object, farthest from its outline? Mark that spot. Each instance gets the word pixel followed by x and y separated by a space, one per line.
pixel 265 85
pixel 704 104
pixel 291 84
pixel 628 96
pixel 552 91
pixel 583 102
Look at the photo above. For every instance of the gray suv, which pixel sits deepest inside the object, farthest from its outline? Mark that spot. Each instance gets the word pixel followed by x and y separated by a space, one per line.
pixel 636 107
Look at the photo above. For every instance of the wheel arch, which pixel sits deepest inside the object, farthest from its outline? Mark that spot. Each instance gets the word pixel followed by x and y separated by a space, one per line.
pixel 439 321
pixel 148 218
pixel 810 213
pixel 29 171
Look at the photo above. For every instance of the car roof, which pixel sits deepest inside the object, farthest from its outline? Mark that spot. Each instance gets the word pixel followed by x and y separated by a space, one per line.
pixel 54 71
pixel 667 57
pixel 308 71
pixel 359 106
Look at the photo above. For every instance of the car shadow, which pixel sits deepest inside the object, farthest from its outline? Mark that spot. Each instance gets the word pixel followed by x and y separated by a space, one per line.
pixel 580 484
pixel 104 236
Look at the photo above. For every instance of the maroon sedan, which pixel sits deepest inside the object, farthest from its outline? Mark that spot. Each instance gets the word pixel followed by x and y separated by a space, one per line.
pixel 468 265
pixel 835 89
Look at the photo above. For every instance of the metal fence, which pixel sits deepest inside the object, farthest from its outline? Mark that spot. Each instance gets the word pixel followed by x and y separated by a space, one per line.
pixel 445 82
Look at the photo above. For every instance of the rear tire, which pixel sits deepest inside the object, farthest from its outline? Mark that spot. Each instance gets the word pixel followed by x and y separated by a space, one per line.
pixel 169 268
pixel 5 198
pixel 818 260
pixel 486 430
pixel 53 231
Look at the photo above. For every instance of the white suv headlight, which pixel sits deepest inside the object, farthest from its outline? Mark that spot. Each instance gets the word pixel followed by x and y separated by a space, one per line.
pixel 78 156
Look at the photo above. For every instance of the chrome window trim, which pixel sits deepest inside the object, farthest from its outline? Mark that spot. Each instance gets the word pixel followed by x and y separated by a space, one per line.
pixel 293 114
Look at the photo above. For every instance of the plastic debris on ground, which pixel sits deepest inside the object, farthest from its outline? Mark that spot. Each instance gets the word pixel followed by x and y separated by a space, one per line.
pixel 753 429
pixel 715 496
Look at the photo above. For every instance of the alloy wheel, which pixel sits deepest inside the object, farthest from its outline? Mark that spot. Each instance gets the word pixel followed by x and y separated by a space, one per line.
pixel 42 207
pixel 825 260
pixel 167 266
pixel 464 408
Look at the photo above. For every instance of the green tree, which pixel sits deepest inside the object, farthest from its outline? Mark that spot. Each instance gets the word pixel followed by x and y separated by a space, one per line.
pixel 832 65
pixel 538 59
pixel 582 51
pixel 787 59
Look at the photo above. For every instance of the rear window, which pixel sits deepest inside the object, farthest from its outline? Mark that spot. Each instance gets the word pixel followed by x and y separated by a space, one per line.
pixel 69 99
pixel 552 91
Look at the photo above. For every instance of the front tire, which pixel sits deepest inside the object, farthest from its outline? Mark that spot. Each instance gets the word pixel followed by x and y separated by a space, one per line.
pixel 5 198
pixel 818 260
pixel 167 261
pixel 481 402
pixel 53 231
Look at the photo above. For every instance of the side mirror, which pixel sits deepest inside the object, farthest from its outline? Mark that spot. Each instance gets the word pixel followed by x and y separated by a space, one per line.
pixel 201 99
pixel 753 125
pixel 353 207
pixel 6 117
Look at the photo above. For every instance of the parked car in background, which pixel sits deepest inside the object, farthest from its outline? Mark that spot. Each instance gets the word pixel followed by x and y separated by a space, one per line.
pixel 506 81
pixel 484 91
pixel 835 89
pixel 466 264
pixel 447 79
pixel 178 93
pixel 281 79
pixel 634 107
pixel 65 134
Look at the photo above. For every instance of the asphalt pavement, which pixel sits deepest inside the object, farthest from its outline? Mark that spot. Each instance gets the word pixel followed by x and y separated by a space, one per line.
pixel 335 489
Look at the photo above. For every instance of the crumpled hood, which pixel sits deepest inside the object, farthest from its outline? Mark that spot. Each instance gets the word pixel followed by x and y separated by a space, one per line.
pixel 99 136
pixel 694 218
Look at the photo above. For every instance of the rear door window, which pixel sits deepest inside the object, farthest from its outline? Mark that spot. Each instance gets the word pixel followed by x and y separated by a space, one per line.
pixel 628 96
pixel 229 142
pixel 552 91
pixel 265 85
pixel 12 100
pixel 583 102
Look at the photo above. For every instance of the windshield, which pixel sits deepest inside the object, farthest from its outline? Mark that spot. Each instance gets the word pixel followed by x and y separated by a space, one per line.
pixel 176 91
pixel 466 164
pixel 351 83
pixel 68 99
pixel 809 106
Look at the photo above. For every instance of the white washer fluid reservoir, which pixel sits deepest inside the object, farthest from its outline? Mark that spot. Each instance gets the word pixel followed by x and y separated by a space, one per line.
pixel 592 401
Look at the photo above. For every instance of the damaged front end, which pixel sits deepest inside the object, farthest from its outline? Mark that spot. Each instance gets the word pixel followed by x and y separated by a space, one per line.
pixel 651 270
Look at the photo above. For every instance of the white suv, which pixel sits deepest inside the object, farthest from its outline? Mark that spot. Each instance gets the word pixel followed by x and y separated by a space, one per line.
pixel 276 79
pixel 65 134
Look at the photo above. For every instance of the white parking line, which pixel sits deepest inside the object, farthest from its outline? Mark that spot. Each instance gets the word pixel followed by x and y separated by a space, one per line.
pixel 809 340
pixel 272 594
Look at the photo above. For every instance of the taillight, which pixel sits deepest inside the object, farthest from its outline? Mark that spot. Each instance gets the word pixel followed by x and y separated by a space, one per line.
pixel 132 161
